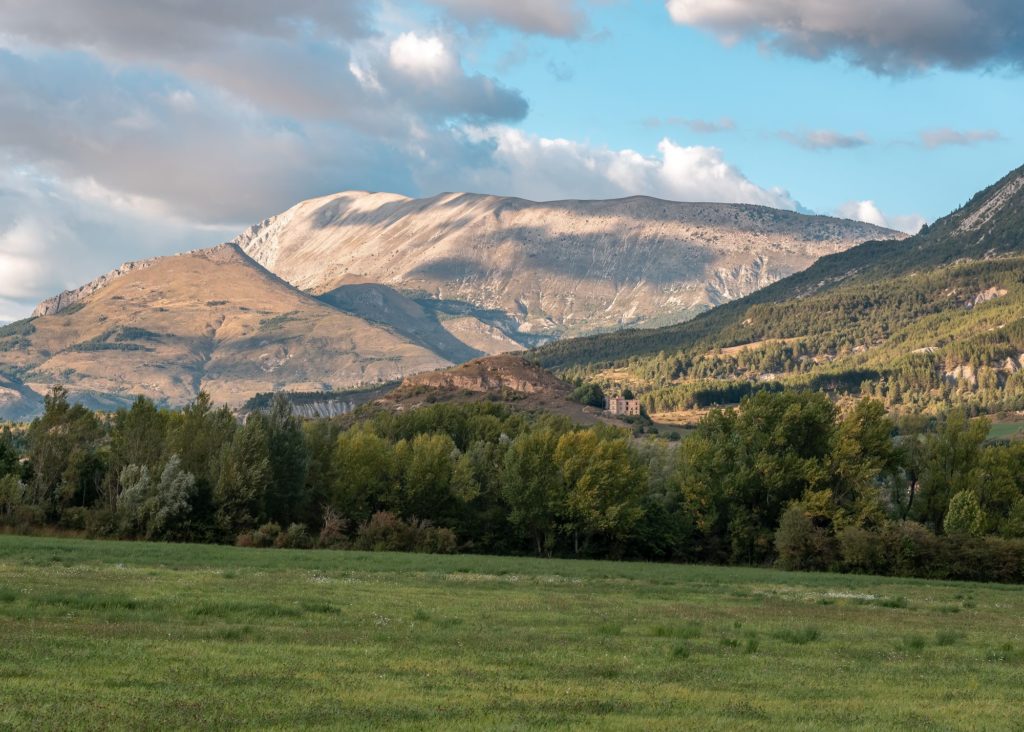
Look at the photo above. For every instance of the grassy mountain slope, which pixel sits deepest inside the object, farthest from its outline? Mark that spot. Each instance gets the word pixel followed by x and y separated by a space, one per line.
pixel 934 318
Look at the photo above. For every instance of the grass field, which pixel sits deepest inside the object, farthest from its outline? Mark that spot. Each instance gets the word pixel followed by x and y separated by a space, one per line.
pixel 155 636
pixel 1006 430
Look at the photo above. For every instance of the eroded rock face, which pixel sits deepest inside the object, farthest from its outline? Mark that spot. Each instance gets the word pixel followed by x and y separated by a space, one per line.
pixel 491 375
pixel 560 268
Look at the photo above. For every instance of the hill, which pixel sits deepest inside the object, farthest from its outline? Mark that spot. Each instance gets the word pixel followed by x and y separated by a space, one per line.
pixel 210 319
pixel 935 319
pixel 509 379
pixel 535 271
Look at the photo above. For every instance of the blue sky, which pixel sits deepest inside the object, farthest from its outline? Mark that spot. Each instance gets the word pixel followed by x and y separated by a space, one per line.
pixel 130 130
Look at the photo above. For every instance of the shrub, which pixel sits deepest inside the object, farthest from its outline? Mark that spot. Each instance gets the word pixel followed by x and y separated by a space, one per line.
pixel 296 536
pixel 384 532
pixel 387 532
pixel 910 549
pixel 333 533
pixel 800 544
pixel 862 550
pixel 101 522
pixel 588 394
pixel 24 516
pixel 74 517
pixel 434 540
pixel 266 535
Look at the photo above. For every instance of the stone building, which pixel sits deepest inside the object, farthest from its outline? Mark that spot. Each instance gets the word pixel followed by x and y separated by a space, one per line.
pixel 628 407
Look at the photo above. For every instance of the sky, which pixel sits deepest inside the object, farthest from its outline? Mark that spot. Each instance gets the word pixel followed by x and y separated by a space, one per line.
pixel 136 129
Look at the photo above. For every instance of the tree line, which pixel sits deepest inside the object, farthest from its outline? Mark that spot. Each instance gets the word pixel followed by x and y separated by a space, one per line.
pixel 789 477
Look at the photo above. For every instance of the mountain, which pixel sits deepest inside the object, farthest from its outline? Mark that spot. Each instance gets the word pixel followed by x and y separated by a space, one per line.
pixel 210 319
pixel 934 320
pixel 357 289
pixel 535 271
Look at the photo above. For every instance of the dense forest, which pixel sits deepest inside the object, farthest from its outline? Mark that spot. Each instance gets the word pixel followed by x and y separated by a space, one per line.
pixel 788 477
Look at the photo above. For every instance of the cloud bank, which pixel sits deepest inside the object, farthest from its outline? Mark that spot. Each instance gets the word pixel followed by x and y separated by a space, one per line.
pixel 538 167
pixel 886 36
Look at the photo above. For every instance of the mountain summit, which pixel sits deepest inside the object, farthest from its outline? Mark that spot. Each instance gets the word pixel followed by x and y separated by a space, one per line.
pixel 557 269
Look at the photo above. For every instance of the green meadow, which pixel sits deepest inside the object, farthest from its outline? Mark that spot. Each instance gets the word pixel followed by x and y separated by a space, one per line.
pixel 118 635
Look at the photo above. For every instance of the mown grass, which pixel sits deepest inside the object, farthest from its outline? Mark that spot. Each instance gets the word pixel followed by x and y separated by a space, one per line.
pixel 98 635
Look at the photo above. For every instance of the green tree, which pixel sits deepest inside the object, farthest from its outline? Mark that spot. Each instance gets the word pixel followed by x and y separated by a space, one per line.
pixel 244 478
pixel 363 471
pixel 964 516
pixel 532 486
pixel 156 509
pixel 864 458
pixel 741 468
pixel 63 447
pixel 589 394
pixel 197 435
pixel 604 484
pixel 9 457
pixel 949 464
pixel 287 499
pixel 425 468
pixel 137 436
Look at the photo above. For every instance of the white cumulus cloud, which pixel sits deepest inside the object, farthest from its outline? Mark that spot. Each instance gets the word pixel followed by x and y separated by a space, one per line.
pixel 545 168
pixel 868 212
pixel 424 56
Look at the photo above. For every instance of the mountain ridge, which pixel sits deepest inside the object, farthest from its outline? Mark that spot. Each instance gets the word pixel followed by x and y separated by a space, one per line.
pixel 928 322
pixel 559 267
pixel 378 268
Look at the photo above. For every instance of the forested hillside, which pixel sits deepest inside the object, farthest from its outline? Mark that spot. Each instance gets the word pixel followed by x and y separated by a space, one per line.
pixel 935 319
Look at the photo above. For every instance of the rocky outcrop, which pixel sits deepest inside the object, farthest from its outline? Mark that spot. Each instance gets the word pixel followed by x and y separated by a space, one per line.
pixel 495 374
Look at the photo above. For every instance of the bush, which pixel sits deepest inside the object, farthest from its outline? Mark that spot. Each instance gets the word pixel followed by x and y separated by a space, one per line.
pixel 800 544
pixel 266 535
pixel 24 516
pixel 333 533
pixel 590 395
pixel 862 551
pixel 387 532
pixel 384 532
pixel 296 536
pixel 434 540
pixel 910 549
pixel 101 522
pixel 74 518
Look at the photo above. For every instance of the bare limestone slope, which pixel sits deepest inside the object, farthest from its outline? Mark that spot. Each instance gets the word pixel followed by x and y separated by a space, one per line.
pixel 211 319
pixel 559 268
